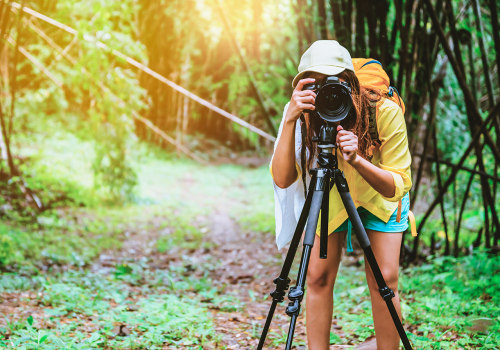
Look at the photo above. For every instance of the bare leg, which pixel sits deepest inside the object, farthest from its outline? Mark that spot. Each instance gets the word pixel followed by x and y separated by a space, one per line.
pixel 321 276
pixel 385 247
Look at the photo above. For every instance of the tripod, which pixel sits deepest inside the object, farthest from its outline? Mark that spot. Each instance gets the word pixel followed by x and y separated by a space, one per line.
pixel 324 177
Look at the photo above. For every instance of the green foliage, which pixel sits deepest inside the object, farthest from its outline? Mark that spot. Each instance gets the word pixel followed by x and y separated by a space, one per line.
pixel 58 165
pixel 56 240
pixel 122 318
pixel 100 92
pixel 447 303
pixel 77 146
pixel 110 120
pixel 154 306
pixel 465 292
pixel 200 57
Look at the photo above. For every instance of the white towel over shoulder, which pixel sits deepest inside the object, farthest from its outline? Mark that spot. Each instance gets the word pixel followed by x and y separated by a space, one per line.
pixel 288 201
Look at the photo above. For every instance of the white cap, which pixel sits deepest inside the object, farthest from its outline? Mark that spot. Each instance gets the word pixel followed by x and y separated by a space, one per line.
pixel 326 57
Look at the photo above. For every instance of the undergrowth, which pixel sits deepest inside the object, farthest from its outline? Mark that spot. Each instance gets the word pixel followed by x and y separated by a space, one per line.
pixel 447 303
pixel 131 308
pixel 69 298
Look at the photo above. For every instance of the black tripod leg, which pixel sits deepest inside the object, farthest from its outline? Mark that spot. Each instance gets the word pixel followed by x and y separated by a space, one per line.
pixel 323 238
pixel 283 281
pixel 297 293
pixel 386 293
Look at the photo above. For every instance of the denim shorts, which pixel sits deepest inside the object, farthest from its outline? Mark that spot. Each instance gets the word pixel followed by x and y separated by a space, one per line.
pixel 371 222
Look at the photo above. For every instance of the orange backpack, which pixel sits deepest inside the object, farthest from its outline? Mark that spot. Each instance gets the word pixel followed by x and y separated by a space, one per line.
pixel 372 76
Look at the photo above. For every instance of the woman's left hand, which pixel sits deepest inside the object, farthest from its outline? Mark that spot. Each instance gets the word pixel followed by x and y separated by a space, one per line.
pixel 348 145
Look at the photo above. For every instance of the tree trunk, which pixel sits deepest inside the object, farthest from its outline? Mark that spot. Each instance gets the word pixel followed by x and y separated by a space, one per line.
pixel 460 214
pixel 484 57
pixel 322 18
pixel 360 47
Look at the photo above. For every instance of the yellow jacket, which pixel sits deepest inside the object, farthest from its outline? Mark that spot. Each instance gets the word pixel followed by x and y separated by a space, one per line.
pixel 393 155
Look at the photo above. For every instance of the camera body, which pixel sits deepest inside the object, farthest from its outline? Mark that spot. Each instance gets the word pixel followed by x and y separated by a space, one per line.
pixel 333 98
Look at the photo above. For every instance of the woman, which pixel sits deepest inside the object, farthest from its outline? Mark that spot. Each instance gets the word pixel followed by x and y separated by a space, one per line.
pixel 378 178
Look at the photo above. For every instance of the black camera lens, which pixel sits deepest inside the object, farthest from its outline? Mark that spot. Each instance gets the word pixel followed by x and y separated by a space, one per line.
pixel 333 102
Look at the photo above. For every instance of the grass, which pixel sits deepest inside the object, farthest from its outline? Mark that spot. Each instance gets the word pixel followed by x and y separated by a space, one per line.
pixel 447 303
pixel 67 301
pixel 56 240
pixel 63 302
pixel 464 297
pixel 81 309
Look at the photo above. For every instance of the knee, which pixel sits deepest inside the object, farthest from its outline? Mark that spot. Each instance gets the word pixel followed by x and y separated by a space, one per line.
pixel 390 278
pixel 319 281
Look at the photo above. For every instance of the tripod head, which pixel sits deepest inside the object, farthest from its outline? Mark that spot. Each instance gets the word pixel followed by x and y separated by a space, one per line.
pixel 327 144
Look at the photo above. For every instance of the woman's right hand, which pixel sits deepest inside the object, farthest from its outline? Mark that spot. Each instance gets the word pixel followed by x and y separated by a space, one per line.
pixel 301 100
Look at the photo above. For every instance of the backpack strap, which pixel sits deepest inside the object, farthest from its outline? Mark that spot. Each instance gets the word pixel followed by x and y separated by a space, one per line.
pixel 411 219
pixel 369 62
pixel 413 224
pixel 372 120
pixel 398 216
pixel 392 90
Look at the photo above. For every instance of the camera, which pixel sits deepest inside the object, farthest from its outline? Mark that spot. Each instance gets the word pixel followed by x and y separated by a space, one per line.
pixel 333 98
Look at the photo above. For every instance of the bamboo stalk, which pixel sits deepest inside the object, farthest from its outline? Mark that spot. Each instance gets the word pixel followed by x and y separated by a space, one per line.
pixel 397 26
pixel 412 60
pixel 460 214
pixel 382 8
pixel 484 57
pixel 372 29
pixel 13 75
pixel 421 164
pixel 4 18
pixel 178 121
pixel 404 43
pixel 440 186
pixel 487 242
pixel 10 163
pixel 448 9
pixel 477 241
pixel 434 86
pixel 336 19
pixel 496 39
pixel 472 111
pixel 360 46
pixel 496 32
pixel 348 23
pixel 185 119
pixel 36 63
pixel 322 19
pixel 297 5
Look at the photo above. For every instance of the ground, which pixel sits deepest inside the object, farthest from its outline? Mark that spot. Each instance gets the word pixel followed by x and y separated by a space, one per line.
pixel 189 265
pixel 244 271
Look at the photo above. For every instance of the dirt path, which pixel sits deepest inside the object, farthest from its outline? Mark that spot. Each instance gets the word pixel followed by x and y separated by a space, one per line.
pixel 250 261
pixel 245 265
pixel 241 263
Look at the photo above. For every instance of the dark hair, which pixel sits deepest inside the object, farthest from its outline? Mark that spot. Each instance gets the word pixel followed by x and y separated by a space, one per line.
pixel 357 121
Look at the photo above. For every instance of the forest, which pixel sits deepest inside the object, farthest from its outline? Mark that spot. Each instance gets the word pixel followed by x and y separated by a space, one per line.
pixel 137 207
